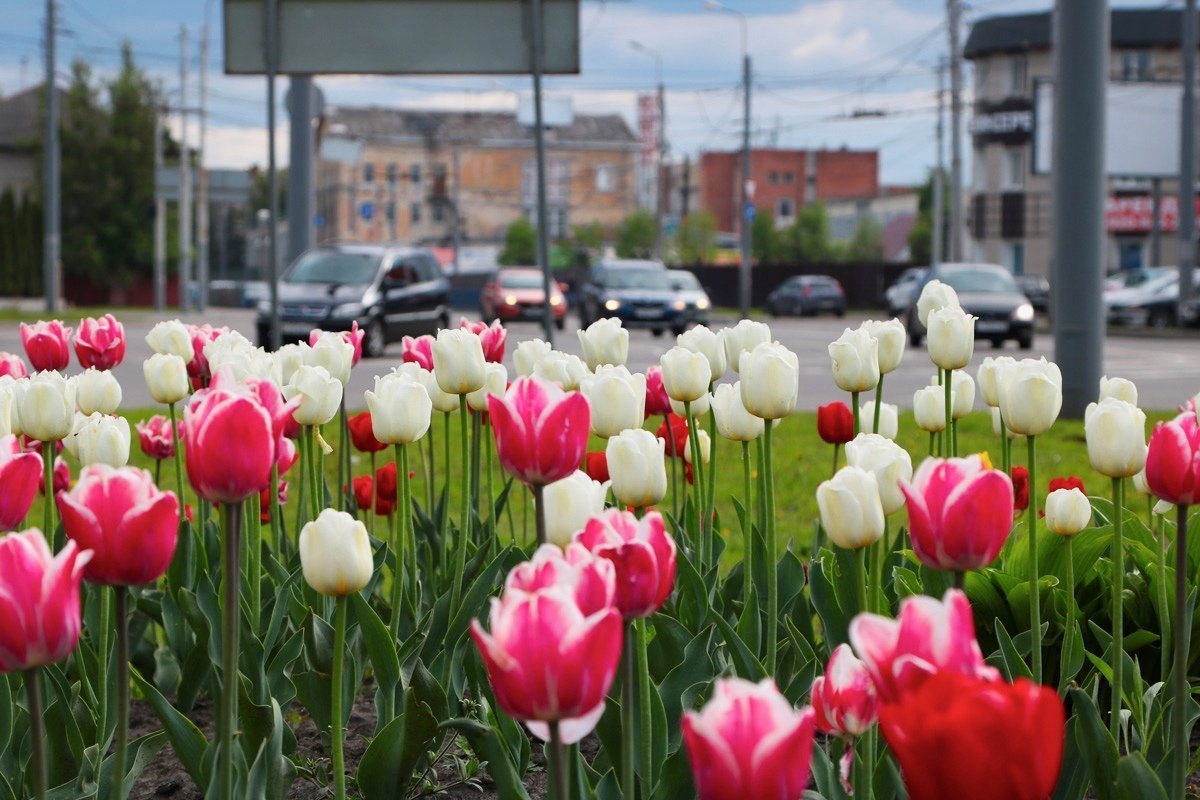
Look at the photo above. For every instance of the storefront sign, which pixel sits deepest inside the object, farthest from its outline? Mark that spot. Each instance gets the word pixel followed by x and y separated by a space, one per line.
pixel 1010 122
pixel 1135 215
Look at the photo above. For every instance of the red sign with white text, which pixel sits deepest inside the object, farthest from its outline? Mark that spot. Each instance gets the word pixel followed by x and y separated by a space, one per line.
pixel 1136 214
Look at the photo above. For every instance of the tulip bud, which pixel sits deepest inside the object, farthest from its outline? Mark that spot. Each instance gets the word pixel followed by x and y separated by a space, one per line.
pixel 41 593
pixel 710 344
pixel 935 295
pixel 855 356
pixel 100 342
pixel 929 408
pixel 417 351
pixel 686 374
pixel 541 431
pixel 335 554
pixel 234 352
pixel 565 369
pixel 1119 388
pixel 528 354
pixel 1031 396
pixel 1067 511
pixel 20 473
pixel 962 391
pixel 638 468
pixel 770 380
pixel 46 344
pixel 331 351
pixel 835 422
pixel 171 338
pixel 166 377
pixel 658 404
pixel 353 337
pixel 700 406
pixel 1139 482
pixel 492 338
pixel 1116 437
pixel 960 512
pixel 734 422
pixel 889 419
pixel 742 338
pixel 156 437
pixel 851 511
pixel 844 698
pixel 100 439
pixel 441 401
pixel 703 444
pixel 989 377
pixel 320 395
pixel 617 399
pixel 10 422
pixel 96 391
pixel 892 337
pixel 996 428
pixel 887 461
pixel 569 504
pixel 495 381
pixel 951 337
pixel 289 358
pixel 604 342
pixel 12 366
pixel 45 405
pixel 458 361
pixel 642 553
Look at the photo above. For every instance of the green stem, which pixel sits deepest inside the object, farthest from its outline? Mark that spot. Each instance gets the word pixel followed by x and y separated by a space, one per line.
pixel 1159 540
pixel 305 469
pixel 446 487
pixel 539 513
pixel 339 647
pixel 254 557
pixel 476 469
pixel 864 766
pixel 122 657
pixel 558 766
pixel 464 533
pixel 1035 602
pixel 1118 603
pixel 772 560
pixel 1179 679
pixel 48 506
pixel 316 496
pixel 343 468
pixel 105 598
pixel 37 736
pixel 647 723
pixel 276 512
pixel 675 491
pixel 374 495
pixel 948 385
pixel 880 553
pixel 710 474
pixel 747 529
pixel 400 539
pixel 231 590
pixel 1069 635
pixel 878 405
pixel 853 411
pixel 697 484
pixel 932 443
pixel 489 446
pixel 175 454
pixel 860 578
pixel 431 474
pixel 628 740
pixel 1004 450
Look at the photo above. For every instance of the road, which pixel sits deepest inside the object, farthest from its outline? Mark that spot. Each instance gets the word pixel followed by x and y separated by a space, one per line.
pixel 1166 371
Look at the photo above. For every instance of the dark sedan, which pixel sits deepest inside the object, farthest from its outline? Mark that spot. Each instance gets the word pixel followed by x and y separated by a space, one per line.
pixel 990 294
pixel 806 295
pixel 640 294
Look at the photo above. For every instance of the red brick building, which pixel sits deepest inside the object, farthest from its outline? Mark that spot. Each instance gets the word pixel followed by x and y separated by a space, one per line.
pixel 784 181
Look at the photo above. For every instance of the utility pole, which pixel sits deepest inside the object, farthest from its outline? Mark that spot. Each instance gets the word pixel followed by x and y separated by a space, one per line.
pixel 954 13
pixel 51 212
pixel 1187 158
pixel 270 50
pixel 300 101
pixel 539 139
pixel 659 209
pixel 185 179
pixel 202 182
pixel 939 179
pixel 747 209
pixel 160 212
pixel 456 232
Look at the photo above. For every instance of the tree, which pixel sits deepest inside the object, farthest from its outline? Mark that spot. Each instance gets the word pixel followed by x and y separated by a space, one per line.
pixel 698 238
pixel 520 244
pixel 867 242
pixel 637 234
pixel 808 240
pixel 920 238
pixel 765 242
pixel 587 240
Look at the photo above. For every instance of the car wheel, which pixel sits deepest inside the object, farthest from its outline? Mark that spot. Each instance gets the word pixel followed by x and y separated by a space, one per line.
pixel 676 331
pixel 656 332
pixel 997 344
pixel 375 340
pixel 841 312
pixel 773 309
pixel 1025 342
pixel 560 323
pixel 1159 320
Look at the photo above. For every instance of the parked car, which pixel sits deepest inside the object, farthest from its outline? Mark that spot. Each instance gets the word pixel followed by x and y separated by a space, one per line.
pixel 388 290
pixel 697 305
pixel 1152 304
pixel 806 295
pixel 903 293
pixel 518 293
pixel 1133 278
pixel 639 293
pixel 1037 289
pixel 989 293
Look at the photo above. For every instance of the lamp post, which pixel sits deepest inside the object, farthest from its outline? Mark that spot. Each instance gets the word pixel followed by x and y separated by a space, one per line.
pixel 661 145
pixel 746 209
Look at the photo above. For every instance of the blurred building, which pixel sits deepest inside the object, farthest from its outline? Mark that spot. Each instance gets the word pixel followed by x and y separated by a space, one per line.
pixel 1009 194
pixel 412 176
pixel 22 123
pixel 893 213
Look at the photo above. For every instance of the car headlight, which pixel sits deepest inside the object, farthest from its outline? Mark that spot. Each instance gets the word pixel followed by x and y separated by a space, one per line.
pixel 347 310
pixel 612 304
pixel 678 305
pixel 703 303
pixel 510 300
pixel 1024 313
pixel 556 300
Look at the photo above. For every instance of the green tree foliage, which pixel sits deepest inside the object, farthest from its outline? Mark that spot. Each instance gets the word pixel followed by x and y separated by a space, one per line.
pixel 766 244
pixel 20 245
pixel 808 240
pixel 636 235
pixel 867 242
pixel 698 238
pixel 520 244
pixel 920 238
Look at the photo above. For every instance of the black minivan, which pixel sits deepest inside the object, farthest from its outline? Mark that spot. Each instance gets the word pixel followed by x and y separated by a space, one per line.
pixel 389 290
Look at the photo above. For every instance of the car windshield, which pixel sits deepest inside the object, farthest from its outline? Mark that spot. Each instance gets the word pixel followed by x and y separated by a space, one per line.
pixel 979 280
pixel 653 279
pixel 684 281
pixel 521 280
pixel 334 267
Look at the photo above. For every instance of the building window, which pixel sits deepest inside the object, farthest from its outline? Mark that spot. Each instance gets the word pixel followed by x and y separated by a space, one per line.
pixel 979 176
pixel 558 223
pixel 773 178
pixel 393 173
pixel 785 208
pixel 1134 65
pixel 414 213
pixel 1014 257
pixel 414 174
pixel 1018 68
pixel 789 177
pixel 1014 168
pixel 1131 253
pixel 368 173
pixel 439 212
pixel 981 79
pixel 606 178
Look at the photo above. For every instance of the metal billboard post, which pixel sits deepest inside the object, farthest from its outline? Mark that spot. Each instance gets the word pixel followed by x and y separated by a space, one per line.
pixel 539 140
pixel 271 47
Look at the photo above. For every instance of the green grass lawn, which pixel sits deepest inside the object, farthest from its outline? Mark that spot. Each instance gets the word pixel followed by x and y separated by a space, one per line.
pixel 71 316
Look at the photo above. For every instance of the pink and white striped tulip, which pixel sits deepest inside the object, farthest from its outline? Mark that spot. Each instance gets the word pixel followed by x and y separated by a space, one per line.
pixel 156 437
pixel 20 475
pixel 418 351
pixel 39 600
pixel 47 344
pixel 541 431
pixel 202 335
pixel 492 338
pixel 844 698
pixel 100 342
pixel 1173 460
pixel 960 512
pixel 353 337
pixel 12 366
pixel 642 552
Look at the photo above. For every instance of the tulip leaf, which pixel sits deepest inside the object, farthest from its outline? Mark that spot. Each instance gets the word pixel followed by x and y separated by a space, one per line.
pixel 1072 657
pixel 692 595
pixel 1135 778
pixel 387 766
pixel 485 743
pixel 834 606
pixel 1010 656
pixel 141 752
pixel 1096 743
pixel 186 739
pixel 6 712
pixel 746 663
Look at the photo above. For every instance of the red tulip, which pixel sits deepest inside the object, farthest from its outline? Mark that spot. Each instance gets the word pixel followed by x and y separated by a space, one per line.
pixel 958 736
pixel 1020 482
pixel 642 552
pixel 39 600
pixel 62 478
pixel 156 438
pixel 835 423
pixel 264 501
pixel 385 479
pixel 353 337
pixel 47 344
pixel 1173 460
pixel 100 342
pixel 541 431
pixel 198 366
pixel 844 698
pixel 553 642
pixel 20 475
pixel 960 513
pixel 748 742
pixel 363 488
pixel 676 436
pixel 362 435
pixel 658 404
pixel 491 337
pixel 928 637
pixel 596 466
pixel 286 454
pixel 418 351
pixel 128 523
pixel 12 365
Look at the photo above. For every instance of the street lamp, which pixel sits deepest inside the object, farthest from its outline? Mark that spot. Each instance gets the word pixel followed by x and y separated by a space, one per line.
pixel 662 144
pixel 747 210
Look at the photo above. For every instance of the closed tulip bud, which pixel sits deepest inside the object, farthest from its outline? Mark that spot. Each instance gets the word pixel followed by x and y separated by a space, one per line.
pixel 100 439
pixel 1118 388
pixel 47 345
pixel 335 554
pixel 887 461
pixel 569 504
pixel 440 400
pixel 20 473
pixel 362 433
pixel 1173 460
pixel 353 337
pixel 97 391
pixel 1067 511
pixel 12 366
pixel 700 406
pixel 232 351
pixel 100 342
pixel 951 337
pixel 844 698
pixel 770 380
pixel 996 429
pixel 1116 437
pixel 642 553
pixel 711 344
pixel 319 393
pixel 492 338
pixel 541 432
pixel 741 339
pixel 289 358
pixel 835 422
pixel 1031 396
pixel 855 356
pixel 45 405
pixel 331 351
pixel 617 399
pixel 935 295
pixel 929 408
pixel 417 351
pixel 703 444
pixel 604 342
pixel 202 335
pixel 990 375
pixel 166 377
pixel 42 620
pixel 658 404
pixel 734 422
pixel 851 511
pixel 1139 481
pixel 638 468
pixel 528 354
pixel 686 374
pixel 155 437
pixel 960 513
pixel 892 337
pixel 495 381
pixel 565 369
pixel 962 390
pixel 171 338
pixel 10 422
pixel 889 419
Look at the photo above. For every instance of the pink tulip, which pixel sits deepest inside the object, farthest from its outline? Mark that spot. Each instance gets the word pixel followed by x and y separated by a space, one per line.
pixel 749 743
pixel 61 478
pixel 658 404
pixel 591 580
pixel 47 344
pixel 844 698
pixel 928 637
pixel 642 552
pixel 100 342
pixel 491 337
pixel 20 475
pixel 549 656
pixel 197 368
pixel 960 513
pixel 156 438
pixel 39 600
pixel 418 351
pixel 353 337
pixel 125 520
pixel 1173 460
pixel 12 365
pixel 541 431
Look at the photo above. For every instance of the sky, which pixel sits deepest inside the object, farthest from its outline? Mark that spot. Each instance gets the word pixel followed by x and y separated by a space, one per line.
pixel 816 65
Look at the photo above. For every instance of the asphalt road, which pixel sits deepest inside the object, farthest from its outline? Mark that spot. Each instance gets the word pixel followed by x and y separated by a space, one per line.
pixel 1166 370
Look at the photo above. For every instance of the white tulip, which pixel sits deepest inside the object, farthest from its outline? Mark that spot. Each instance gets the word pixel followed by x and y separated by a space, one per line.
pixel 234 352
pixel 495 381
pixel 441 401
pixel 166 378
pixel 935 295
pixel 289 358
pixel 996 429
pixel 10 423
pixel 887 461
pixel 1031 396
pixel 45 404
pixel 851 511
pixel 734 422
pixel 604 342
pixel 686 374
pixel 334 353
pixel 528 354
pixel 770 380
pixel 892 339
pixel 99 390
pixel 702 339
pixel 638 469
pixel 1116 437
pixel 989 376
pixel 320 395
pixel 962 390
pixel 889 419
pixel 1139 482
pixel 565 369
pixel 458 362
pixel 700 406
pixel 742 338
pixel 1163 507
pixel 617 398
pixel 951 337
pixel 335 554
pixel 171 337
pixel 703 444
pixel 1067 511
pixel 101 439
pixel 929 407
pixel 400 408
pixel 569 504
pixel 1120 388
pixel 855 356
